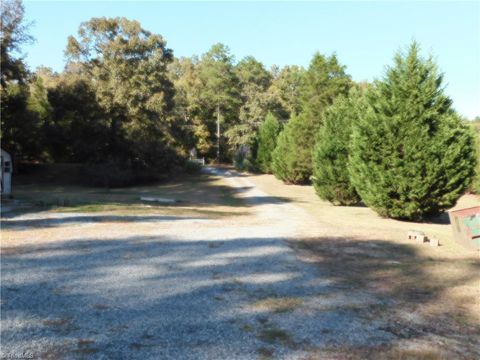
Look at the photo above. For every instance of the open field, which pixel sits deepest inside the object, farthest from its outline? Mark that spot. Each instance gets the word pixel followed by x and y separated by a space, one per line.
pixel 243 267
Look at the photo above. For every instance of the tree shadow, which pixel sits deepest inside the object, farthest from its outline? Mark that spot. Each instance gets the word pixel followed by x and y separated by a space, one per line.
pixel 156 297
pixel 65 219
pixel 201 191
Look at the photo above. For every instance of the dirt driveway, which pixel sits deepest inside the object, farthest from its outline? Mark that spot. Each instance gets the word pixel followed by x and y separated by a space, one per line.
pixel 249 284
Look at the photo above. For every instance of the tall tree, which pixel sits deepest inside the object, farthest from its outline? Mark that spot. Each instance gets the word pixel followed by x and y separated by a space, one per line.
pixel 13 34
pixel 324 80
pixel 219 92
pixel 183 72
pixel 19 129
pixel 285 90
pixel 128 67
pixel 267 141
pixel 254 81
pixel 411 155
pixel 77 129
pixel 292 159
pixel 330 155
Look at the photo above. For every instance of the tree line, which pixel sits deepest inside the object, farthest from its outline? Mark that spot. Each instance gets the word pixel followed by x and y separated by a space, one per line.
pixel 125 103
pixel 129 109
pixel 397 145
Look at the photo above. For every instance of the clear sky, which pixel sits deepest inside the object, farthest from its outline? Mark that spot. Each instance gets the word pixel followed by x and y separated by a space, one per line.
pixel 365 35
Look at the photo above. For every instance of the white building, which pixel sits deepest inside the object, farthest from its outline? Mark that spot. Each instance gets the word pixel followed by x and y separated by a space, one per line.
pixel 6 174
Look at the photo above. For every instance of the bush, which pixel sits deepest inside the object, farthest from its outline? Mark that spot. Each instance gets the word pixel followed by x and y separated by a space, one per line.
pixel 411 156
pixel 267 140
pixel 243 160
pixel 292 157
pixel 476 182
pixel 112 175
pixel 192 167
pixel 330 155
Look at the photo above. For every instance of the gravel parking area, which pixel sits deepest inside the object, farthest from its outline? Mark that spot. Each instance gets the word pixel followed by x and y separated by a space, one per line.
pixel 178 287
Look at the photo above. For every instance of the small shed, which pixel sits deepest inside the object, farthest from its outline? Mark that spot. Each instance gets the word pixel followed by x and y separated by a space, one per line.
pixel 466 226
pixel 6 173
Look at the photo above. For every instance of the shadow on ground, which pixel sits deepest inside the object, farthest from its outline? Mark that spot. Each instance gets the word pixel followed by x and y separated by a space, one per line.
pixel 203 191
pixel 151 297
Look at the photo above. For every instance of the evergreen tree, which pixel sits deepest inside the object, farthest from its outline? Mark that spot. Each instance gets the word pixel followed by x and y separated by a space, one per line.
pixel 330 156
pixel 411 155
pixel 291 159
pixel 476 129
pixel 267 140
pixel 324 80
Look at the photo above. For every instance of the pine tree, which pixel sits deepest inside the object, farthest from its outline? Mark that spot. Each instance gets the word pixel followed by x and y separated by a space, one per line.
pixel 267 140
pixel 324 80
pixel 476 182
pixel 330 156
pixel 292 158
pixel 411 155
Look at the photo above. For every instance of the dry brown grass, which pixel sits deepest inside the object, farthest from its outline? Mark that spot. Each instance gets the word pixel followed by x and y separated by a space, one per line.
pixel 435 291
pixel 277 304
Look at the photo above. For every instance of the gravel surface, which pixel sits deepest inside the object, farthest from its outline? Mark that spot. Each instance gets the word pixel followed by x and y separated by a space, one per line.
pixel 167 287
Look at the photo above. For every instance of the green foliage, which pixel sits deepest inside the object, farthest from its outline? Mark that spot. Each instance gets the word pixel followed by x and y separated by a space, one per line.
pixel 324 80
pixel 192 166
pixel 244 161
pixel 128 69
pixel 411 155
pixel 78 129
pixel 20 127
pixel 219 95
pixel 285 90
pixel 188 110
pixel 267 141
pixel 13 33
pixel 254 81
pixel 330 156
pixel 476 182
pixel 114 175
pixel 292 157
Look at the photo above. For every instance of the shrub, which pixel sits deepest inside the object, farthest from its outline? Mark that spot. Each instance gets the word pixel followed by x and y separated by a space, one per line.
pixel 330 156
pixel 411 156
pixel 112 175
pixel 292 157
pixel 267 140
pixel 243 159
pixel 192 167
pixel 476 182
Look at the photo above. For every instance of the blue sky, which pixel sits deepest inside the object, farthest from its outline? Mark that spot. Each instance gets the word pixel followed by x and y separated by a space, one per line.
pixel 365 35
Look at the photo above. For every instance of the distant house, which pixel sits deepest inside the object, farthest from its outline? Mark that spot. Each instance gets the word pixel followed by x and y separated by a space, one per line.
pixel 6 174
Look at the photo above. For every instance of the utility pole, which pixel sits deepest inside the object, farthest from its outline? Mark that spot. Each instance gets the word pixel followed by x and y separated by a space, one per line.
pixel 218 133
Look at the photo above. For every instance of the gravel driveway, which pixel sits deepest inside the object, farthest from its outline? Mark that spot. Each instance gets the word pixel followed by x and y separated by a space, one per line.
pixel 177 288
